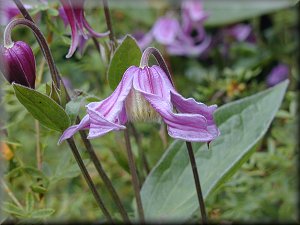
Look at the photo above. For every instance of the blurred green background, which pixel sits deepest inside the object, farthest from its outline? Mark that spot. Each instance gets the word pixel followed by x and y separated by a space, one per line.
pixel 264 189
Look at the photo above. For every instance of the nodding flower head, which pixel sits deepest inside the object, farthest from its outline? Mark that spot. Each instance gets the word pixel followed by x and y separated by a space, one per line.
pixel 72 13
pixel 147 94
pixel 17 63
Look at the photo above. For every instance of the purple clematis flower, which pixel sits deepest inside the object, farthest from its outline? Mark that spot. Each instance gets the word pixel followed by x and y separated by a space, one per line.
pixel 185 39
pixel 147 94
pixel 278 73
pixel 72 13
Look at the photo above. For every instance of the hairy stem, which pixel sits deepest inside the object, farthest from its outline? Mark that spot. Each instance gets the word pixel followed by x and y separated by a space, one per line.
pixel 197 182
pixel 89 180
pixel 134 177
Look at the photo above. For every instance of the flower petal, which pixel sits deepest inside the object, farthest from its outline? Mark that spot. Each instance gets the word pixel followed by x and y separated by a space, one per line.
pixel 184 48
pixel 165 30
pixel 109 114
pixel 185 126
pixel 67 6
pixel 100 125
pixel 84 124
pixel 92 31
pixel 191 106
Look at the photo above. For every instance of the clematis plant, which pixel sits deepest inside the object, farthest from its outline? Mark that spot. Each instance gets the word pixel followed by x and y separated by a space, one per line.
pixel 72 13
pixel 147 94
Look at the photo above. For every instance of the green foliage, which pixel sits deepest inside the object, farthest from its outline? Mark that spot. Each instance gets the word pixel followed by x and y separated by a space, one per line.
pixel 42 108
pixel 263 189
pixel 127 54
pixel 242 124
pixel 227 12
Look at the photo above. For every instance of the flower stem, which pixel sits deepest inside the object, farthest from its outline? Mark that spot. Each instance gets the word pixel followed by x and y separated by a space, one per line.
pixel 197 182
pixel 23 10
pixel 134 177
pixel 39 157
pixel 141 151
pixel 160 60
pixel 103 175
pixel 112 39
pixel 56 77
pixel 89 180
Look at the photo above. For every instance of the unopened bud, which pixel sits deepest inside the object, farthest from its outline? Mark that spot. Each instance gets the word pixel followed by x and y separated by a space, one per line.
pixel 17 63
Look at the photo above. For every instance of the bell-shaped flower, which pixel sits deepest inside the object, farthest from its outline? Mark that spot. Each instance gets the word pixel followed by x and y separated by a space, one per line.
pixel 147 94
pixel 72 13
pixel 17 63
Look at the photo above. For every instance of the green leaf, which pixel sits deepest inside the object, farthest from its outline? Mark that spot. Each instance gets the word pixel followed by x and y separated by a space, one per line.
pixel 42 213
pixel 13 209
pixel 231 11
pixel 127 54
pixel 73 107
pixel 38 189
pixel 169 191
pixel 29 202
pixel 42 108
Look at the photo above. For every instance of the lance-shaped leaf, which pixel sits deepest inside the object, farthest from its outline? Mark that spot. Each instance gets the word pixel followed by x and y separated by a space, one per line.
pixel 169 191
pixel 232 11
pixel 42 108
pixel 127 54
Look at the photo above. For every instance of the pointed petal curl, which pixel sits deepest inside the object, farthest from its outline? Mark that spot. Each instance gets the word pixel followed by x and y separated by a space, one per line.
pixel 84 124
pixel 69 12
pixel 185 126
pixel 109 114
pixel 189 105
pixel 182 48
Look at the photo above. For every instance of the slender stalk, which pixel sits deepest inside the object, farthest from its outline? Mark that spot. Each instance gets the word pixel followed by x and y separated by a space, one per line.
pixel 39 158
pixel 112 39
pixel 197 182
pixel 141 151
pixel 23 10
pixel 158 57
pixel 92 154
pixel 104 176
pixel 11 194
pixel 88 179
pixel 134 177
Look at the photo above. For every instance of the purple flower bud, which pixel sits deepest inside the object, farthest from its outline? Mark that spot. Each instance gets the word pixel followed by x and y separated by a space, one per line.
pixel 17 63
pixel 279 73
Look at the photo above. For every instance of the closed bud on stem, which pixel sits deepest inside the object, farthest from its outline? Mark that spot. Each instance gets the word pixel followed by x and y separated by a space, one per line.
pixel 17 63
